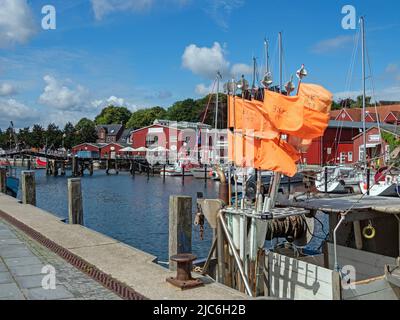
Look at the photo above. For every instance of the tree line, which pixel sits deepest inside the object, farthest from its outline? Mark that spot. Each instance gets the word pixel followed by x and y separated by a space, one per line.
pixel 189 110
pixel 54 137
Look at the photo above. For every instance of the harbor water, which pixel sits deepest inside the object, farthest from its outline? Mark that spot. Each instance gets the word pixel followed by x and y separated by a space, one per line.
pixel 133 210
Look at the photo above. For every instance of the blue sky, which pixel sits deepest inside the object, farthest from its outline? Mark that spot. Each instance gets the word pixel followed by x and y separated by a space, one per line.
pixel 143 53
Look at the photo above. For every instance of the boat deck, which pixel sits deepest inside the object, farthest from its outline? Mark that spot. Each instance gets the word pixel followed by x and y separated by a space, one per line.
pixel 354 203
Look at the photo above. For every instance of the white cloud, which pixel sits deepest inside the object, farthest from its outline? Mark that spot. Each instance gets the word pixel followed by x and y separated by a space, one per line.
pixel 241 69
pixel 7 89
pixel 12 110
pixel 332 44
pixel 102 8
pixel 115 101
pixel 220 10
pixel 386 94
pixel 203 90
pixel 205 61
pixel 59 96
pixel 17 24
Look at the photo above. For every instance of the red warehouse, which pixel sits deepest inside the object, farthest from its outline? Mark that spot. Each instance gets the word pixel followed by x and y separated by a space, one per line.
pixel 111 150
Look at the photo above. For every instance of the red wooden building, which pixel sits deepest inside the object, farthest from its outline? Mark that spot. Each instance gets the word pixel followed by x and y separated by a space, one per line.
pixel 111 150
pixel 92 147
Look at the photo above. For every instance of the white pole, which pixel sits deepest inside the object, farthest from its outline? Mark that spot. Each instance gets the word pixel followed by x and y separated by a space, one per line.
pixel 364 93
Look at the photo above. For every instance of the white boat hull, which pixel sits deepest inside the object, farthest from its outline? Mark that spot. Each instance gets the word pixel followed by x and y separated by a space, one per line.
pixel 200 174
pixel 381 189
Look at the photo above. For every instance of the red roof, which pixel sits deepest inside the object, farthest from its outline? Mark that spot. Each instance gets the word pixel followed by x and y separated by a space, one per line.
pixel 356 113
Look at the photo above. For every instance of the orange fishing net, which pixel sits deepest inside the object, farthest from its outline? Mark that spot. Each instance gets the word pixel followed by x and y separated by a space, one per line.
pixel 256 127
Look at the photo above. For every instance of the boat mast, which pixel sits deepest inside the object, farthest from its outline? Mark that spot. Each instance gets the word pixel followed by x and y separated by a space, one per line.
pixel 273 193
pixel 253 88
pixel 362 22
pixel 280 63
pixel 266 45
pixel 217 101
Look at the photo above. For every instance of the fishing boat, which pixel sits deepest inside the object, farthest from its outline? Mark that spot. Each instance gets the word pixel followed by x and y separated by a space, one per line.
pixel 40 163
pixel 269 252
pixel 340 179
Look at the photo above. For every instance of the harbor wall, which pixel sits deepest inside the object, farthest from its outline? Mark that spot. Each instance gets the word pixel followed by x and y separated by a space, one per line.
pixel 130 266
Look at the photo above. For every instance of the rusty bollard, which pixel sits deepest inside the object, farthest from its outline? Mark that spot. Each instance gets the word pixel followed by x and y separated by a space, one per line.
pixel 184 278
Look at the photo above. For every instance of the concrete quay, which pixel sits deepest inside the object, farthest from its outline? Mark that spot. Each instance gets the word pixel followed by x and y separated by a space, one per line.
pixel 129 266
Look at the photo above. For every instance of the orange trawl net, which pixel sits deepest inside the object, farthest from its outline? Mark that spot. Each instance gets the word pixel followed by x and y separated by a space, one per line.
pixel 256 128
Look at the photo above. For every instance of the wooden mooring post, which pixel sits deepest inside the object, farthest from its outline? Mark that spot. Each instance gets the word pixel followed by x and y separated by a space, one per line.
pixel 75 207
pixel 28 188
pixel 180 227
pixel 75 167
pixel 3 180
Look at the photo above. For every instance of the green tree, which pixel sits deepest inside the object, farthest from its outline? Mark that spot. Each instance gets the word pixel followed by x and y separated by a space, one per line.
pixel 37 136
pixel 186 110
pixel 359 102
pixel 69 135
pixel 85 131
pixel 146 117
pixel 53 136
pixel 113 115
pixel 24 138
pixel 4 140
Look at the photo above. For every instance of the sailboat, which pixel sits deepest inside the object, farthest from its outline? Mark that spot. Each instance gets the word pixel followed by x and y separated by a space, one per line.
pixel 338 179
pixel 385 182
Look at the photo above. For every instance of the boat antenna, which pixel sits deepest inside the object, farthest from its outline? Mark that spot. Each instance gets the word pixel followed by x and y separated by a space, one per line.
pixel 362 22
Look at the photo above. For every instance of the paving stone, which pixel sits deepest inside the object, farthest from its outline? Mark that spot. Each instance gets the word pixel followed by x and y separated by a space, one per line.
pixel 5 277
pixel 31 270
pixel 7 234
pixel 41 294
pixel 30 282
pixel 10 291
pixel 4 242
pixel 24 258
pixel 10 252
pixel 23 261
pixel 3 267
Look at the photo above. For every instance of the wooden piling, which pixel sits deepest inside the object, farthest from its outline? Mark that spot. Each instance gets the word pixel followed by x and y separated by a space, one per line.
pixel 220 253
pixel 180 227
pixel 63 168
pixel 47 167
pixel 28 188
pixel 74 166
pixel 107 166
pixel 164 172
pixel 75 207
pixel 3 180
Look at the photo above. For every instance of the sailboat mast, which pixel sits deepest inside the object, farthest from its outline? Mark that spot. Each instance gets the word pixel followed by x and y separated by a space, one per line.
pixel 280 63
pixel 217 102
pixel 362 22
pixel 253 88
pixel 266 45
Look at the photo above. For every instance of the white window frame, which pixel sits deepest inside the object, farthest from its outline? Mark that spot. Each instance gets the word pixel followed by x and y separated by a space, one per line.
pixel 361 151
pixel 350 156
